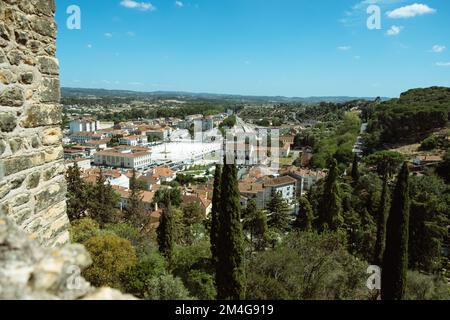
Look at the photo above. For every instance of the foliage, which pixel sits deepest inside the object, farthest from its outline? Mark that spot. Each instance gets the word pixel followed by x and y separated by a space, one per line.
pixel 83 229
pixel 424 287
pixel 330 208
pixel 136 279
pixel 111 256
pixel 395 259
pixel 230 274
pixel 103 201
pixel 76 193
pixel 307 266
pixel 409 118
pixel 255 222
pixel 215 213
pixel 279 213
pixel 305 215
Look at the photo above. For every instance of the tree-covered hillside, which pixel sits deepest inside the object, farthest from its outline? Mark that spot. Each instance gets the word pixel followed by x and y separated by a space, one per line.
pixel 410 118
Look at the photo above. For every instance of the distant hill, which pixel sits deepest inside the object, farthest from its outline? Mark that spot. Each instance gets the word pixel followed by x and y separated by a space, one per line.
pixel 81 92
pixel 410 118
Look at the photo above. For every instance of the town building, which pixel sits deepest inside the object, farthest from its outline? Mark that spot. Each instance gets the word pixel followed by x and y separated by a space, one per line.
pixel 84 124
pixel 133 158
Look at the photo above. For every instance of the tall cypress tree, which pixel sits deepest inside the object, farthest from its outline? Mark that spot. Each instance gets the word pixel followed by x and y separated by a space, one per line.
pixel 305 215
pixel 135 209
pixel 395 259
pixel 230 272
pixel 330 207
pixel 355 171
pixel 76 193
pixel 382 215
pixel 165 231
pixel 215 212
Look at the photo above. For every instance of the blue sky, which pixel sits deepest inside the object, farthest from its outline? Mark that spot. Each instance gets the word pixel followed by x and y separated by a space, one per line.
pixel 256 47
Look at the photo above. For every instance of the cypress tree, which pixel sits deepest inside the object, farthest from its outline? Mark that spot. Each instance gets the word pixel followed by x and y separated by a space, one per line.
pixel 330 207
pixel 135 210
pixel 165 231
pixel 76 193
pixel 305 215
pixel 279 213
pixel 215 212
pixel 382 214
pixel 355 171
pixel 230 272
pixel 395 258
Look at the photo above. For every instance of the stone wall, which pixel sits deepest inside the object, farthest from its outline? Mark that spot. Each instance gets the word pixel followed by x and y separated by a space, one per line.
pixel 32 184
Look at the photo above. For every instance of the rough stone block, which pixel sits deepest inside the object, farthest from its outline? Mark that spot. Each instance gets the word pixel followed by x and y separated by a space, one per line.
pixel 50 91
pixel 8 121
pixel 41 115
pixel 12 97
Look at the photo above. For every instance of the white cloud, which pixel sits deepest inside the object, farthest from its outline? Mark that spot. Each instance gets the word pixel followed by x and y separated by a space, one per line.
pixel 144 6
pixel 344 48
pixel 357 57
pixel 108 35
pixel 438 48
pixel 443 64
pixel 394 31
pixel 179 4
pixel 89 46
pixel 131 34
pixel 410 11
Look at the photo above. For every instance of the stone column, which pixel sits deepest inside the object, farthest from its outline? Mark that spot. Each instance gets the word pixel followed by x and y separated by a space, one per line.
pixel 32 184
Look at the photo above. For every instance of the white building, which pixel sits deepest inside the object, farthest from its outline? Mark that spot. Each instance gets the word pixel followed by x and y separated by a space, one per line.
pixel 133 158
pixel 83 136
pixel 135 140
pixel 84 124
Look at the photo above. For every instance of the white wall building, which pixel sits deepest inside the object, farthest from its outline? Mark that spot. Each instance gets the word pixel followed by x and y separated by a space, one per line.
pixel 84 124
pixel 124 158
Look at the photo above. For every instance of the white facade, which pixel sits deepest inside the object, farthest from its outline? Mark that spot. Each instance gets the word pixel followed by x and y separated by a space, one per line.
pixel 123 159
pixel 84 125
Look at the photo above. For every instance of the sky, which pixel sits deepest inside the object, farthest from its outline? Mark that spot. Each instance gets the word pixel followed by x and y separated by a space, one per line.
pixel 291 48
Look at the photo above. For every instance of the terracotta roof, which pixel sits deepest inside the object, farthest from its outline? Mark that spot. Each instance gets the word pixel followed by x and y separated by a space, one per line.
pixel 302 172
pixel 245 187
pixel 163 172
pixel 279 181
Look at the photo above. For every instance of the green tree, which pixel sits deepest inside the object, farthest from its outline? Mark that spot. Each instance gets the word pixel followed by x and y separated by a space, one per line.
pixel 279 213
pixel 355 171
pixel 230 272
pixel 111 257
pixel 215 213
pixel 395 259
pixel 83 229
pixel 305 215
pixel 165 231
pixel 382 215
pixel 386 162
pixel 191 218
pixel 255 222
pixel 330 207
pixel 76 193
pixel 103 201
pixel 136 279
pixel 135 209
